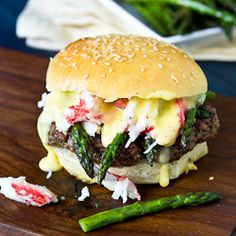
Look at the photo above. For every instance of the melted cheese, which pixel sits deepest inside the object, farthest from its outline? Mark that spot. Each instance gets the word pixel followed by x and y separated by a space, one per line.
pixel 50 162
pixel 161 117
pixel 164 176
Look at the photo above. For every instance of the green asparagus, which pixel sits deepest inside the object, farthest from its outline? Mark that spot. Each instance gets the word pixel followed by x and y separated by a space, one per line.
pixel 203 113
pixel 142 208
pixel 82 149
pixel 210 95
pixel 184 16
pixel 185 132
pixel 109 155
pixel 151 155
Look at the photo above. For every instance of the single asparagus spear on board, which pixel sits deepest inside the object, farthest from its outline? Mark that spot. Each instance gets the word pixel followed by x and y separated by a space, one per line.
pixel 142 208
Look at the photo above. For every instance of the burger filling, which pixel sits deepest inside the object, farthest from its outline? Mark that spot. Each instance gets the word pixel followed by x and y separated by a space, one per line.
pixel 201 131
pixel 124 132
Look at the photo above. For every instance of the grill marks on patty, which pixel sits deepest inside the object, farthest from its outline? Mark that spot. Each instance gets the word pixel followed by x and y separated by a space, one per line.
pixel 203 129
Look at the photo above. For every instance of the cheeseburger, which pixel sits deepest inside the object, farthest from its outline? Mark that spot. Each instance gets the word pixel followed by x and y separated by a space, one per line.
pixel 127 106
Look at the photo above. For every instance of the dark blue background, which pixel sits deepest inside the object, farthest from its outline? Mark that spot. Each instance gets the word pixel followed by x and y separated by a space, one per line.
pixel 221 75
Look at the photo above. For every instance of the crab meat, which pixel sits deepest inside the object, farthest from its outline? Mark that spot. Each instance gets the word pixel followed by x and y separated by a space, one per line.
pixel 121 187
pixel 18 189
pixel 85 110
pixel 181 109
pixel 120 103
pixel 84 194
pixel 77 112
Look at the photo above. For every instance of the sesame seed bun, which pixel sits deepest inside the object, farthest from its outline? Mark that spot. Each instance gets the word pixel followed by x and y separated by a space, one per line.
pixel 141 173
pixel 118 66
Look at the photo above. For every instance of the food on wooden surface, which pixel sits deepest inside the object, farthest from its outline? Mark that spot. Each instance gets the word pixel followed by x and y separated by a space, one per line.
pixel 142 208
pixel 18 189
pixel 130 106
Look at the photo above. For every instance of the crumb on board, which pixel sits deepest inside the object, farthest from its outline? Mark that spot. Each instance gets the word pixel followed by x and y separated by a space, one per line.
pixel 211 178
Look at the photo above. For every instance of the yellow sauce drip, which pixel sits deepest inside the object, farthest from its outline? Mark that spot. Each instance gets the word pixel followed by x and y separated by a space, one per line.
pixel 50 162
pixel 164 176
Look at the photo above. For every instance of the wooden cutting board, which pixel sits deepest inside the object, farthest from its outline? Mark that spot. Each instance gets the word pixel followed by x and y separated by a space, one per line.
pixel 21 84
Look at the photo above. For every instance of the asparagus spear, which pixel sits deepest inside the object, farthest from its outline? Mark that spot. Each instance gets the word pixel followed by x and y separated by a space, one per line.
pixel 202 113
pixel 82 149
pixel 151 155
pixel 210 95
pixel 195 6
pixel 109 155
pixel 188 125
pixel 142 208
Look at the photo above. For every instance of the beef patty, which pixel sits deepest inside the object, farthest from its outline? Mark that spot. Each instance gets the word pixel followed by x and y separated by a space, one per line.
pixel 203 129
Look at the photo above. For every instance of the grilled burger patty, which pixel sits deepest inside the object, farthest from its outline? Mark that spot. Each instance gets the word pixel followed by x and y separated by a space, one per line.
pixel 203 129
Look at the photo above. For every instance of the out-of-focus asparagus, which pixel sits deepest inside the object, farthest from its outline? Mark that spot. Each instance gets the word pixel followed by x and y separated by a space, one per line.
pixel 171 17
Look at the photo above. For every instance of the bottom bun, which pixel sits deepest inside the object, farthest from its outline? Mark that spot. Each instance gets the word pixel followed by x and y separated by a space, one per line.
pixel 141 173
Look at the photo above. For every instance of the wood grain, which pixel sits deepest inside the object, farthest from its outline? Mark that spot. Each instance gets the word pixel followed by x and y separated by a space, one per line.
pixel 21 84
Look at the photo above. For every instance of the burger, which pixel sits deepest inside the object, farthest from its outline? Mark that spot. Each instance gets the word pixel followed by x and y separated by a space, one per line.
pixel 128 106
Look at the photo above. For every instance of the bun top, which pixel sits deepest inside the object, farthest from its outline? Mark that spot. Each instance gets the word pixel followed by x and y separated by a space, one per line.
pixel 119 66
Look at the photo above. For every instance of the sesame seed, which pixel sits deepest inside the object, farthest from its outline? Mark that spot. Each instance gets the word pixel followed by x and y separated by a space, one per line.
pixel 110 69
pixel 50 58
pixel 103 75
pixel 73 64
pixel 142 69
pixel 131 55
pixel 93 63
pixel 163 51
pixel 193 74
pixel 116 59
pixel 85 76
pixel 84 55
pixel 74 52
pixel 173 77
pixel 144 55
pixel 61 64
pixel 126 43
pixel 67 58
pixel 168 59
pixel 161 58
pixel 107 63
pixel 160 65
pixel 155 48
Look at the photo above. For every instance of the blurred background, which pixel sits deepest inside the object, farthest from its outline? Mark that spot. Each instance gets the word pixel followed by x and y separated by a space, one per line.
pixel 203 28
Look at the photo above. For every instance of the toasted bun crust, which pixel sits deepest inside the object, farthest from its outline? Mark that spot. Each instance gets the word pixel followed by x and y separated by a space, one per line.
pixel 118 66
pixel 142 173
